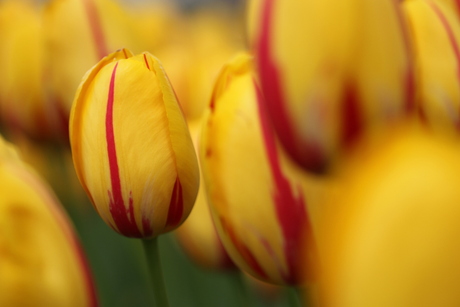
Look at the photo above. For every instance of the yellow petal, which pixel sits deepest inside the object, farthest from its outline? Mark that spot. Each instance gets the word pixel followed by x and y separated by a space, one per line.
pixel 391 237
pixel 41 261
pixel 435 33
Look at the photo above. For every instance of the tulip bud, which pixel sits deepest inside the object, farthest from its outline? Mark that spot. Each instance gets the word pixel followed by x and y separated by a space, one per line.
pixel 41 261
pixel 256 196
pixel 435 33
pixel 332 72
pixel 198 236
pixel 131 147
pixel 392 238
pixel 78 33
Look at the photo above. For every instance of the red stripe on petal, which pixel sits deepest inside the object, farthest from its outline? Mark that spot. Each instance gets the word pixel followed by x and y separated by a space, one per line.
pixel 290 210
pixel 146 62
pixel 176 206
pixel 123 217
pixel 243 250
pixel 309 155
pixel 96 28
pixel 352 124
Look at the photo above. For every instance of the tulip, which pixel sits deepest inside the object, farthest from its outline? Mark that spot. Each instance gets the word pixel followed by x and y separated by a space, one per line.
pixel 332 72
pixel 392 238
pixel 435 33
pixel 256 195
pixel 79 33
pixel 197 235
pixel 23 105
pixel 41 262
pixel 131 147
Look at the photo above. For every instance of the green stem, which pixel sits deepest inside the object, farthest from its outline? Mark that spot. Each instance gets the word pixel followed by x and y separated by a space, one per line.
pixel 244 297
pixel 153 260
pixel 293 297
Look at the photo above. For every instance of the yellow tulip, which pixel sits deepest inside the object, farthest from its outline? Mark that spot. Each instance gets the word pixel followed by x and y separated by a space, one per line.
pixel 257 196
pixel 131 146
pixel 332 72
pixel 41 261
pixel 435 33
pixel 197 235
pixel 22 100
pixel 79 33
pixel 391 236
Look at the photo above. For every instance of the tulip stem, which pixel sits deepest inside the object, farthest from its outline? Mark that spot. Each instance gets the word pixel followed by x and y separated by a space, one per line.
pixel 293 297
pixel 156 273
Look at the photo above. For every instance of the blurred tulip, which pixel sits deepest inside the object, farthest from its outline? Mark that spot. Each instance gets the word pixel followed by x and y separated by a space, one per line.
pixel 435 32
pixel 41 262
pixel 391 238
pixel 193 58
pixel 22 102
pixel 332 71
pixel 198 236
pixel 257 197
pixel 78 34
pixel 131 146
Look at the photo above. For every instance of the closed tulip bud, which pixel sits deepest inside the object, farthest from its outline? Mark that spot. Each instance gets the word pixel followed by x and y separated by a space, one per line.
pixel 41 262
pixel 435 32
pixel 131 147
pixel 332 72
pixel 198 236
pixel 257 197
pixel 79 33
pixel 392 238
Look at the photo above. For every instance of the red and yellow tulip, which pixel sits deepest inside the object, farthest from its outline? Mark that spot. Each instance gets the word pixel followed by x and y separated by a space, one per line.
pixel 392 236
pixel 41 262
pixel 435 33
pixel 23 105
pixel 131 146
pixel 257 197
pixel 332 72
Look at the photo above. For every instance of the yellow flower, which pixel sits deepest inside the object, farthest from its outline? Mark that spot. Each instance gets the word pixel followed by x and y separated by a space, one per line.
pixel 41 262
pixel 435 33
pixel 257 197
pixel 391 238
pixel 198 236
pixel 22 101
pixel 331 72
pixel 131 146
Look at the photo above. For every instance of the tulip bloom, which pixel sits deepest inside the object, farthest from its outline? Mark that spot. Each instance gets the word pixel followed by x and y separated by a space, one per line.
pixel 332 72
pixel 257 197
pixel 198 236
pixel 435 32
pixel 131 146
pixel 392 239
pixel 41 262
